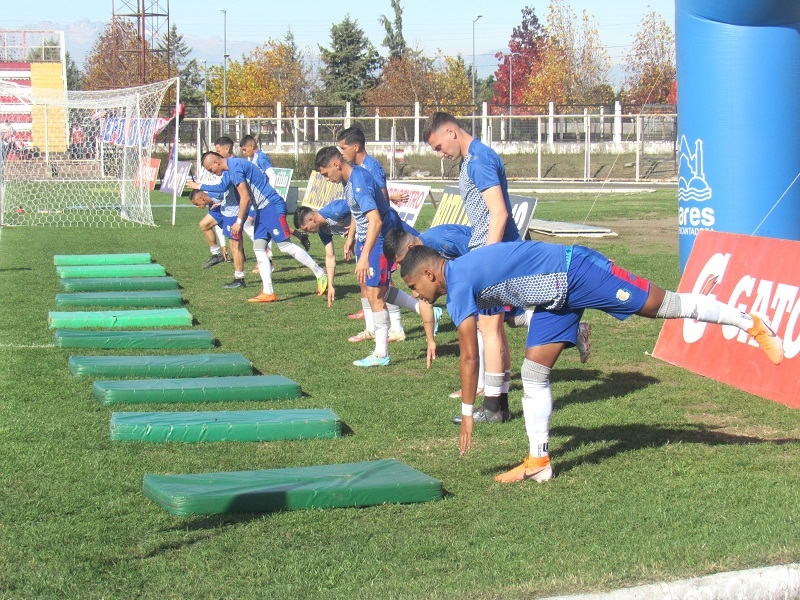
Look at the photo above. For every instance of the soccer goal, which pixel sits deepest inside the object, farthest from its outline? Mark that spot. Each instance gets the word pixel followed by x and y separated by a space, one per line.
pixel 78 157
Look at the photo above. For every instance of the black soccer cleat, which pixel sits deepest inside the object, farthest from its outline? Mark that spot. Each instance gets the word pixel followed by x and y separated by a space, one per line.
pixel 216 259
pixel 236 283
pixel 303 237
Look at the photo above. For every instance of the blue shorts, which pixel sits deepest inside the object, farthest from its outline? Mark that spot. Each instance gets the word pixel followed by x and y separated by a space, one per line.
pixel 217 217
pixel 593 282
pixel 227 222
pixel 380 267
pixel 270 225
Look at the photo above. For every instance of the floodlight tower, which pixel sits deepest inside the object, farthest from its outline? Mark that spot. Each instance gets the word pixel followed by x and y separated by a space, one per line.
pixel 151 20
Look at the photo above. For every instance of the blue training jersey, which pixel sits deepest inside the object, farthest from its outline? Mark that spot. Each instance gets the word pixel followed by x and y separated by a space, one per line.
pixel 222 191
pixel 242 170
pixel 451 241
pixel 480 170
pixel 376 170
pixel 523 274
pixel 363 195
pixel 261 160
pixel 338 218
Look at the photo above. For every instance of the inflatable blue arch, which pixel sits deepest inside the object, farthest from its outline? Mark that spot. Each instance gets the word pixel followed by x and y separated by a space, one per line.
pixel 738 65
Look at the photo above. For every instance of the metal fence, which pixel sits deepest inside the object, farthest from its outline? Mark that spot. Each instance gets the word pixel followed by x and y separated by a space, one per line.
pixel 642 145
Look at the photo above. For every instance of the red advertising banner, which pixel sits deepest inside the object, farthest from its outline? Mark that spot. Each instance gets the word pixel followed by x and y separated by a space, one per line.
pixel 756 275
pixel 148 173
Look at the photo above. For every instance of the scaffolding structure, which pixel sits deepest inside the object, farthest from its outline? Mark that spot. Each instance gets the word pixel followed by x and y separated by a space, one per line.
pixel 151 21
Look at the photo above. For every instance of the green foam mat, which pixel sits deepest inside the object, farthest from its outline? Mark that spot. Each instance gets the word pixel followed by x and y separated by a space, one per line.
pixel 138 258
pixel 184 365
pixel 225 426
pixel 199 389
pixel 329 486
pixel 79 272
pixel 121 284
pixel 158 317
pixel 182 338
pixel 156 298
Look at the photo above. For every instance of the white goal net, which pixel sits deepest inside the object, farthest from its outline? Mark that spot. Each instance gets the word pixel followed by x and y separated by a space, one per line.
pixel 78 157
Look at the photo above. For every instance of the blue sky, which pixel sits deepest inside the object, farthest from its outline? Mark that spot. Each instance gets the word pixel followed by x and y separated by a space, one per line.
pixel 431 26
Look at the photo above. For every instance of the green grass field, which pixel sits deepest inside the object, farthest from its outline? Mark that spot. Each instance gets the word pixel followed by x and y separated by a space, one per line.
pixel 660 474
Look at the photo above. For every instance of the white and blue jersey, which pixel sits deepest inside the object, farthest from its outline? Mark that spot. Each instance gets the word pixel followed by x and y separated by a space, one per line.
pixel 449 240
pixel 261 160
pixel 560 282
pixel 338 218
pixel 363 195
pixel 262 193
pixel 480 170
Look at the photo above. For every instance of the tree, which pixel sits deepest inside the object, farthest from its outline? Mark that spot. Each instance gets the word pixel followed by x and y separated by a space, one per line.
pixel 114 60
pixel 394 39
pixel 650 63
pixel 74 75
pixel 270 74
pixel 526 46
pixel 176 51
pixel 574 65
pixel 452 84
pixel 401 83
pixel 350 64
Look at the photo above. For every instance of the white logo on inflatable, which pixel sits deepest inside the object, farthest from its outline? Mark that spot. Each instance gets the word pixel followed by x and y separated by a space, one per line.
pixel 695 188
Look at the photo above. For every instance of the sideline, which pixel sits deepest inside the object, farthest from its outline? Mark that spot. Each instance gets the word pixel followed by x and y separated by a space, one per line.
pixel 767 583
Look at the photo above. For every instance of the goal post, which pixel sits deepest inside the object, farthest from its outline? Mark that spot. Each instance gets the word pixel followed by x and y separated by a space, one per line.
pixel 77 158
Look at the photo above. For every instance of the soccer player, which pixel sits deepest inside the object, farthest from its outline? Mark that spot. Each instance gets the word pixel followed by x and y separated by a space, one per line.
pixel 484 191
pixel 451 241
pixel 258 157
pixel 212 224
pixel 229 210
pixel 373 219
pixel 270 219
pixel 352 145
pixel 560 282
pixel 335 219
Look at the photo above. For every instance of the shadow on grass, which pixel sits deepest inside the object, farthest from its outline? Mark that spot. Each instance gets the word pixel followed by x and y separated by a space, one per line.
pixel 625 438
pixel 617 439
pixel 15 269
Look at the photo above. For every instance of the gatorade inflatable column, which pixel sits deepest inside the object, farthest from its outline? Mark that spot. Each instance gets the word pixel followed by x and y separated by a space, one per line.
pixel 738 117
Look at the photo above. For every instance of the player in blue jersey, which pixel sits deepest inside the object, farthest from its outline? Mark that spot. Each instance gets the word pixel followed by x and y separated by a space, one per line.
pixel 352 145
pixel 258 157
pixel 335 219
pixel 270 219
pixel 560 282
pixel 373 219
pixel 229 211
pixel 452 241
pixel 332 219
pixel 212 224
pixel 484 192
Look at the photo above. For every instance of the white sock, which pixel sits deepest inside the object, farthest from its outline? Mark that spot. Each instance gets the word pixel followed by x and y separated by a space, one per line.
pixel 710 310
pixel 250 230
pixel 494 384
pixel 301 256
pixel 264 270
pixel 395 319
pixel 369 322
pixel 537 406
pixel 238 274
pixel 506 381
pixel 401 299
pixel 381 332
pixel 215 250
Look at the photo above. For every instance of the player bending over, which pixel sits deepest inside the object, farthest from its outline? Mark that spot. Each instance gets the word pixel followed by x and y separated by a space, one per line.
pixel 560 282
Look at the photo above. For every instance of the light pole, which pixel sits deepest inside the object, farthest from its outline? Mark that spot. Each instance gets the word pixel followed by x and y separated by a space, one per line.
pixel 224 67
pixel 511 56
pixel 473 72
pixel 205 85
